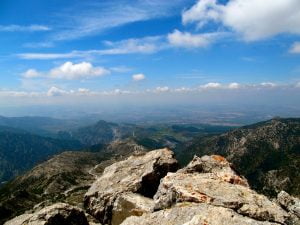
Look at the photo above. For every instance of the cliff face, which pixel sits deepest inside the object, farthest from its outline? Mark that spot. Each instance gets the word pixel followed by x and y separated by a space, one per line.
pixel 147 189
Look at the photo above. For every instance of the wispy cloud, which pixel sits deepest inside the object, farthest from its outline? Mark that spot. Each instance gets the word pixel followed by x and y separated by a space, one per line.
pixel 146 45
pixel 19 28
pixel 295 48
pixel 39 45
pixel 96 17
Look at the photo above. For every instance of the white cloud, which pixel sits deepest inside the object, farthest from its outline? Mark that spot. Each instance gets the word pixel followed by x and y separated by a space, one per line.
pixel 295 49
pixel 162 89
pixel 120 69
pixel 72 71
pixel 103 15
pixel 39 45
pixel 268 84
pixel 185 39
pixel 202 12
pixel 129 46
pixel 252 19
pixel 18 28
pixel 234 86
pixel 138 77
pixel 183 89
pixel 46 56
pixel 146 45
pixel 54 91
pixel 31 73
pixel 211 85
pixel 84 91
pixel 188 40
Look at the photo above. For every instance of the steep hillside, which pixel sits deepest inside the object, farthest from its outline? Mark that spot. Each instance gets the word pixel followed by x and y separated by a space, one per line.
pixel 20 151
pixel 102 132
pixel 267 153
pixel 63 178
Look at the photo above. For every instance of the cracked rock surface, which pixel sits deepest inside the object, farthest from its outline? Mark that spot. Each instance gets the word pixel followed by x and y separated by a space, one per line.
pixel 194 214
pixel 291 204
pixel 60 213
pixel 210 191
pixel 147 189
pixel 137 174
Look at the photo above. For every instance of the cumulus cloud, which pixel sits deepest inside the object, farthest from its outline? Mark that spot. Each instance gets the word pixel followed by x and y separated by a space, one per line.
pixel 185 39
pixel 84 90
pixel 234 86
pixel 188 40
pixel 138 77
pixel 252 19
pixel 211 85
pixel 295 49
pixel 54 91
pixel 31 73
pixel 82 70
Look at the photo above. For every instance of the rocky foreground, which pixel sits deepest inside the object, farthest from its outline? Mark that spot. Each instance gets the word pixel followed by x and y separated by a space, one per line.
pixel 148 189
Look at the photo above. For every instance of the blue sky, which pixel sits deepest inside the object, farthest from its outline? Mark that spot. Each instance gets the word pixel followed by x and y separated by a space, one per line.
pixel 55 48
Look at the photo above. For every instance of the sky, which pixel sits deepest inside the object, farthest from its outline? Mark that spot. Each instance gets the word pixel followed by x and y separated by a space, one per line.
pixel 61 51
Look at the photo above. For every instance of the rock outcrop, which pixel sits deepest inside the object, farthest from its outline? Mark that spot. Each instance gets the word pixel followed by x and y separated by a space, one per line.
pixel 266 153
pixel 138 174
pixel 59 213
pixel 146 189
pixel 209 191
pixel 130 204
pixel 290 203
pixel 194 214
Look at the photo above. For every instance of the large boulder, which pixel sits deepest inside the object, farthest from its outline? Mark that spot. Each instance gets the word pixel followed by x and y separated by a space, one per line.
pixel 212 181
pixel 130 204
pixel 194 214
pixel 57 214
pixel 140 174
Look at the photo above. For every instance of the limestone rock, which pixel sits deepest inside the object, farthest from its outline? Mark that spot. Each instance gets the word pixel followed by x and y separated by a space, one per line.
pixel 216 165
pixel 217 185
pixel 130 204
pixel 194 214
pixel 59 213
pixel 289 203
pixel 138 174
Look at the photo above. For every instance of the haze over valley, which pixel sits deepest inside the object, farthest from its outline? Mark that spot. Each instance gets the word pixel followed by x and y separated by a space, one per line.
pixel 130 112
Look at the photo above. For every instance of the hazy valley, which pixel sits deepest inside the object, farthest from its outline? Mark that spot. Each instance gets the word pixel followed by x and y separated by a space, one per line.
pixel 64 163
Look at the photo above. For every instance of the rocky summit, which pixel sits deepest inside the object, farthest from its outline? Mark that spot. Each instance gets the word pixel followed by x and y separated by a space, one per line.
pixel 148 189
pixel 139 174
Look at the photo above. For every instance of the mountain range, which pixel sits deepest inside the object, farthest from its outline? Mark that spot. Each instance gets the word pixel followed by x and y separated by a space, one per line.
pixel 266 153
